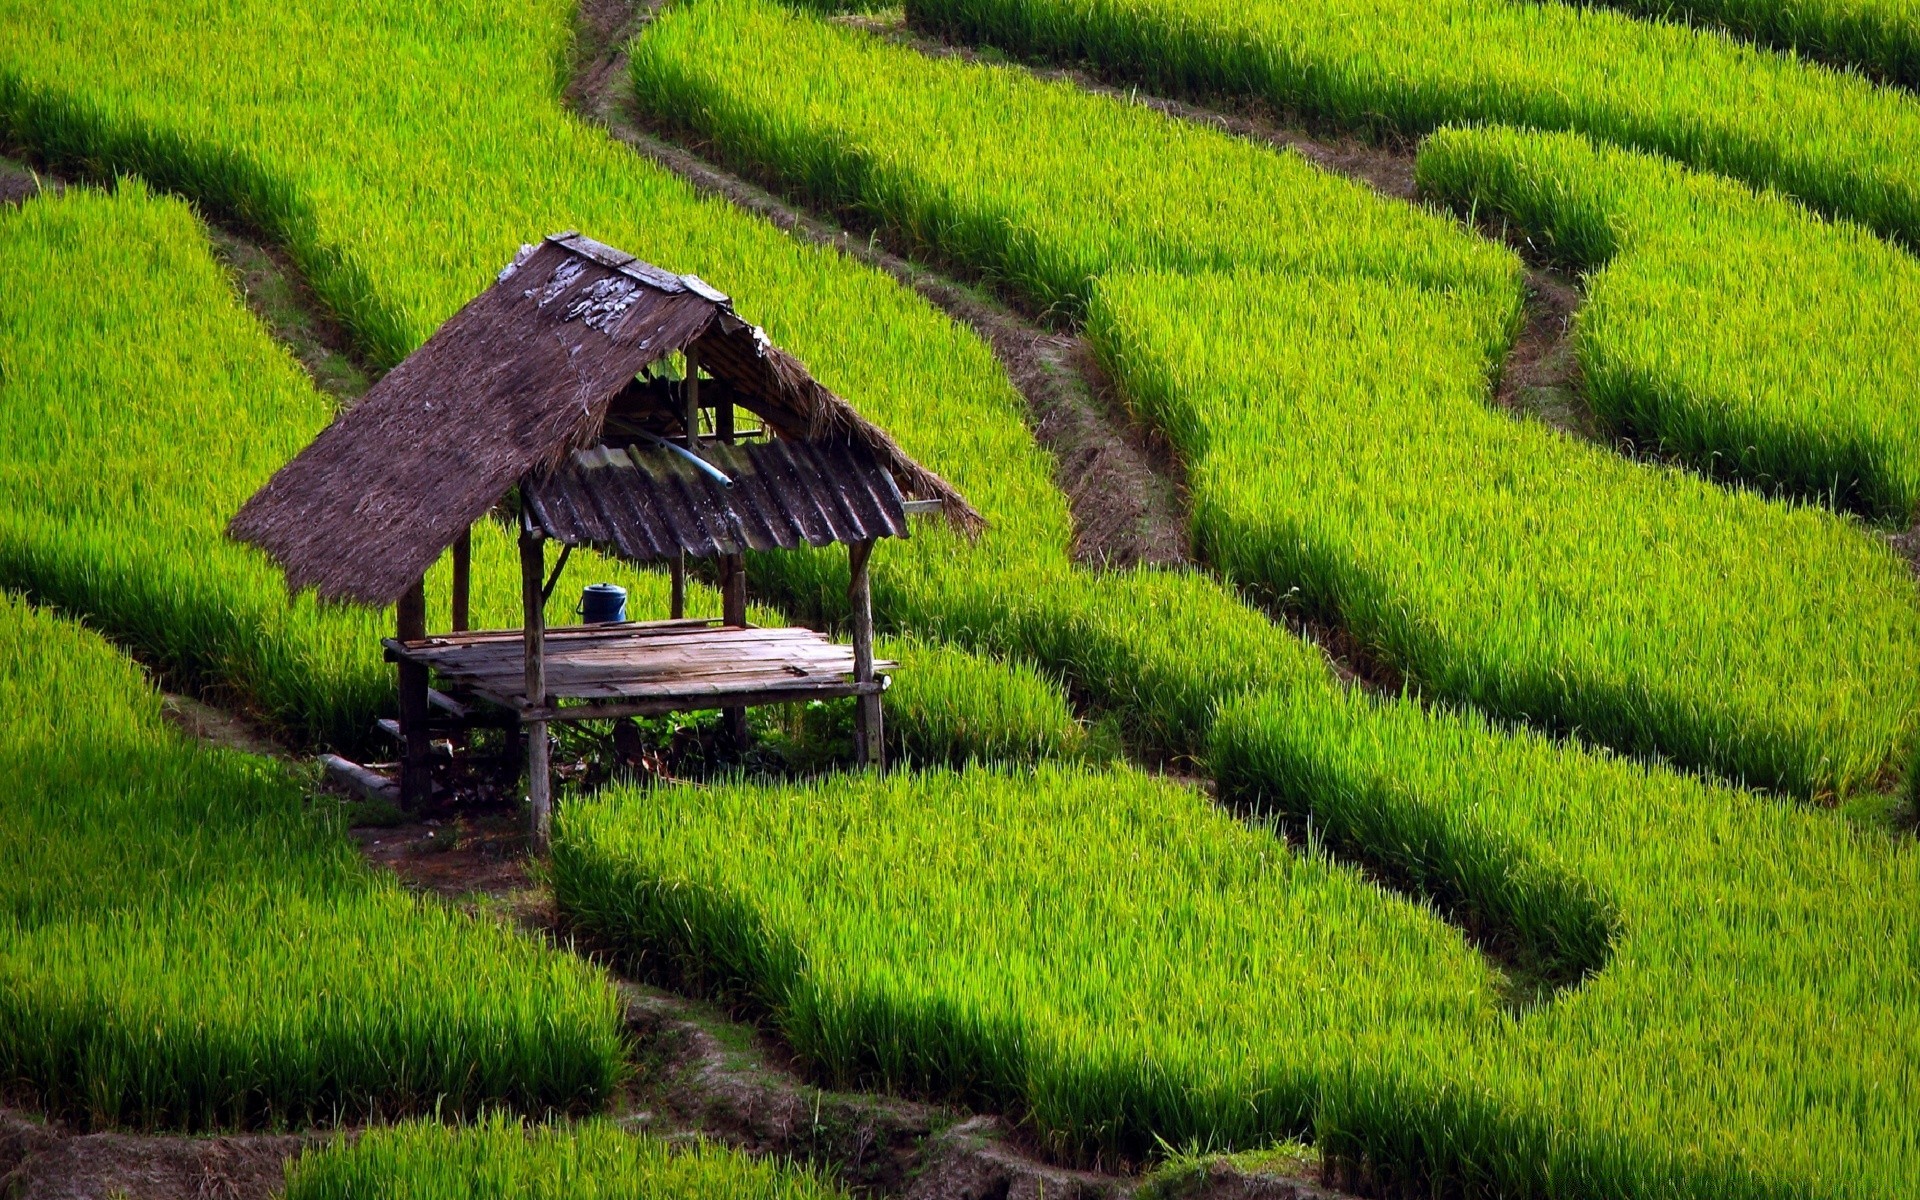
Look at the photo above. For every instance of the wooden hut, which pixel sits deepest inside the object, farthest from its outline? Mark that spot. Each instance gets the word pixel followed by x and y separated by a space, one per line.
pixel 622 407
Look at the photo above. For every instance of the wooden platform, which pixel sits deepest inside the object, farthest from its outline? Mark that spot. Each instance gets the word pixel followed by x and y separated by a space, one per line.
pixel 643 668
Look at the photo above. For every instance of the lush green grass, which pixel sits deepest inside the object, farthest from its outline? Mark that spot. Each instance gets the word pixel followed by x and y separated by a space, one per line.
pixel 1737 331
pixel 1756 1028
pixel 502 1160
pixel 1039 188
pixel 184 944
pixel 1537 577
pixel 1110 955
pixel 339 157
pixel 1107 950
pixel 1411 66
pixel 1880 37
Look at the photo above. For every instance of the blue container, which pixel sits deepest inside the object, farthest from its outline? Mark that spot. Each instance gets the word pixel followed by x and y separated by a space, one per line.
pixel 603 602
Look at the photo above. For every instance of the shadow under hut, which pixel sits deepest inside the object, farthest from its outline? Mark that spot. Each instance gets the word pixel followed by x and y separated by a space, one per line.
pixel 595 400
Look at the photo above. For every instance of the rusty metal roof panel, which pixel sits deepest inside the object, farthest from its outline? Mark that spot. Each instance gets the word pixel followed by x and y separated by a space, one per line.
pixel 646 503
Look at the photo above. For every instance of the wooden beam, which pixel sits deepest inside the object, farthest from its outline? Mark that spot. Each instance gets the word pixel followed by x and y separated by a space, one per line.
pixel 416 755
pixel 462 579
pixel 692 390
pixel 533 563
pixel 679 574
pixel 869 731
pixel 733 611
pixel 653 707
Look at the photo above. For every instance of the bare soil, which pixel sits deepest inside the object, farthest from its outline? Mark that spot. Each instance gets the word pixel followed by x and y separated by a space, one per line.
pixel 46 1162
pixel 278 294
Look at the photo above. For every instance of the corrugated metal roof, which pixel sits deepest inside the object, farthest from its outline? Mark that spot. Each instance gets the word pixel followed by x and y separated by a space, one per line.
pixel 650 502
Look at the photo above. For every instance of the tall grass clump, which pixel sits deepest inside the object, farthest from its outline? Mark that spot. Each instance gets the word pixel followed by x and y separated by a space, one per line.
pixel 1344 338
pixel 500 1159
pixel 1410 66
pixel 183 944
pixel 1734 330
pixel 1105 950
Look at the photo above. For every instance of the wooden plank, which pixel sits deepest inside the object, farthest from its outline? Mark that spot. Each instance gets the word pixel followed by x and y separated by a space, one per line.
pixel 655 707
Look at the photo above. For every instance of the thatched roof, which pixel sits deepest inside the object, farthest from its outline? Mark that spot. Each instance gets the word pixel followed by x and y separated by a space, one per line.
pixel 505 391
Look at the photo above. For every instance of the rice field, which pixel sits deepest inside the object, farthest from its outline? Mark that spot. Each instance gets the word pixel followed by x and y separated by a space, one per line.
pixel 340 191
pixel 1828 137
pixel 1733 331
pixel 1459 956
pixel 185 944
pixel 1880 38
pixel 1114 957
pixel 1530 575
pixel 123 468
pixel 497 1159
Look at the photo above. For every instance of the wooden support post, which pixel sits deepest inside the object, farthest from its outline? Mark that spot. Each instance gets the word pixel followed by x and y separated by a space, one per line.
pixel 733 611
pixel 462 581
pixel 679 575
pixel 416 755
pixel 533 564
pixel 691 388
pixel 869 731
pixel 723 421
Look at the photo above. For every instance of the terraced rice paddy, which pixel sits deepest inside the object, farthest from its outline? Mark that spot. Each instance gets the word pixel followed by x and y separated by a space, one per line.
pixel 1826 136
pixel 1527 574
pixel 184 945
pixel 1733 331
pixel 1438 934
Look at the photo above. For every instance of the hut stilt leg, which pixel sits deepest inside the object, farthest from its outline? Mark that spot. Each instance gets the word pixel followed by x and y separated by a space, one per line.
pixel 869 732
pixel 679 593
pixel 533 563
pixel 416 750
pixel 733 609
pixel 462 581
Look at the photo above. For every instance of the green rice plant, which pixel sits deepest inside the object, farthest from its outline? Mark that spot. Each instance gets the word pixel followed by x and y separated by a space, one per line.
pixel 1531 575
pixel 1038 188
pixel 948 706
pixel 1879 37
pixel 1107 954
pixel 1539 578
pixel 402 151
pixel 1738 332
pixel 1106 951
pixel 268 137
pixel 137 418
pixel 1410 66
pixel 1758 981
pixel 500 1159
pixel 184 945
